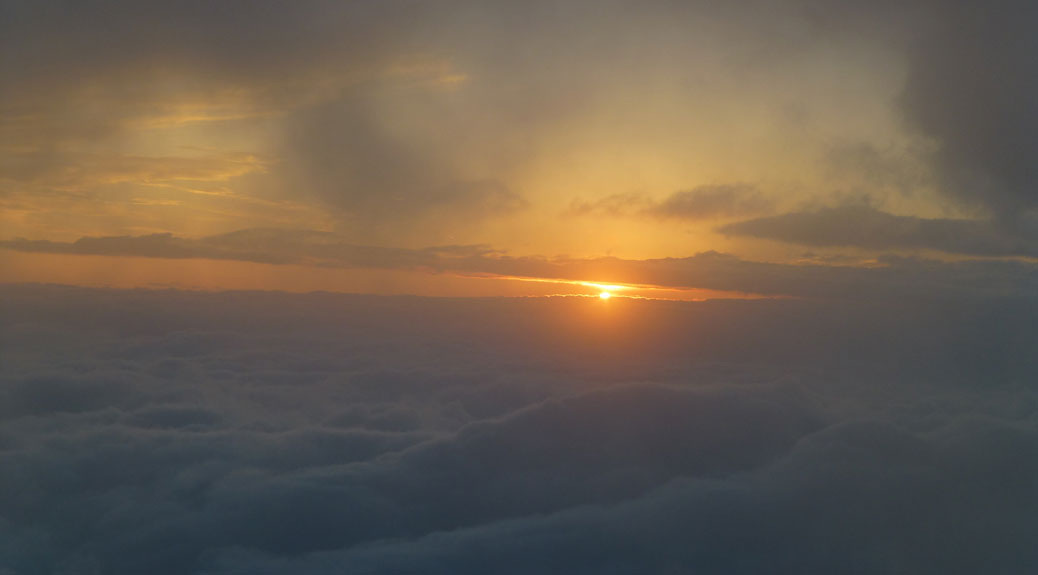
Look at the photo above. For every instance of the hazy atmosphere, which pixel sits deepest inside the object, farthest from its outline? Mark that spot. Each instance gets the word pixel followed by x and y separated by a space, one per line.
pixel 518 287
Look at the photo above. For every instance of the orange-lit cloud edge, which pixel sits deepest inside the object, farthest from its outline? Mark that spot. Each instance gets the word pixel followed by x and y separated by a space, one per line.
pixel 203 274
pixel 304 261
pixel 608 291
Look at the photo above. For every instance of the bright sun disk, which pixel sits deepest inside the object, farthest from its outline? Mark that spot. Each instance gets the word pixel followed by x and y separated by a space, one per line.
pixel 605 295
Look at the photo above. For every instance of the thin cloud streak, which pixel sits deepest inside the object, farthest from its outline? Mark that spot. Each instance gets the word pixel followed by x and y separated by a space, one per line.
pixel 891 277
pixel 869 228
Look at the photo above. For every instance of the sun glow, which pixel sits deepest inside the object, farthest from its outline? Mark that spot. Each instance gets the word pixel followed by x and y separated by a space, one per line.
pixel 605 295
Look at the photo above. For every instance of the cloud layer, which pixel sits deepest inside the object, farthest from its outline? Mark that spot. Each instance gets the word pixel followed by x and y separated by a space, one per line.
pixel 882 418
pixel 174 432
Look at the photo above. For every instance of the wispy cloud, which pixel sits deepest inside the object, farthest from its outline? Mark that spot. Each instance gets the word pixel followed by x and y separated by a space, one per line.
pixel 701 203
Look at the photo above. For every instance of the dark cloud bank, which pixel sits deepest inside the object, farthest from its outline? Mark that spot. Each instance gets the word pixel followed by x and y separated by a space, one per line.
pixel 177 432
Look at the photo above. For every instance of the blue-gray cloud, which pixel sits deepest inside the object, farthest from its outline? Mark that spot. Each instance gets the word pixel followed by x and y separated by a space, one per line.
pixel 174 432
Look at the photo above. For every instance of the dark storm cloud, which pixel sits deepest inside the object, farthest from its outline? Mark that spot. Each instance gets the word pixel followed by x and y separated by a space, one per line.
pixel 173 432
pixel 869 228
pixel 700 203
pixel 972 84
pixel 971 79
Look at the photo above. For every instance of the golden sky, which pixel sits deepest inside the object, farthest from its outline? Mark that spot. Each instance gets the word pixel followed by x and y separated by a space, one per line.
pixel 567 132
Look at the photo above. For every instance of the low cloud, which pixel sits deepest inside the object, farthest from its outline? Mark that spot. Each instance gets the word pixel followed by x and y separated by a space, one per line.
pixel 176 432
pixel 869 228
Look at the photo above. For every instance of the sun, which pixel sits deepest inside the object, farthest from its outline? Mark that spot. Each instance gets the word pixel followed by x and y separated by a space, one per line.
pixel 605 295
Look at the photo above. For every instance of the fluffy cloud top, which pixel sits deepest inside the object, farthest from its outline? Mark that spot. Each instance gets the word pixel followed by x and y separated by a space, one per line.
pixel 175 432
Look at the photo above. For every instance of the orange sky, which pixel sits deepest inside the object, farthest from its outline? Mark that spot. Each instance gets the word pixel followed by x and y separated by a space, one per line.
pixel 572 134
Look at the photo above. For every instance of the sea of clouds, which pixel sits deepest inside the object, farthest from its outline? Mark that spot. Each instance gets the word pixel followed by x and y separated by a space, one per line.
pixel 169 432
